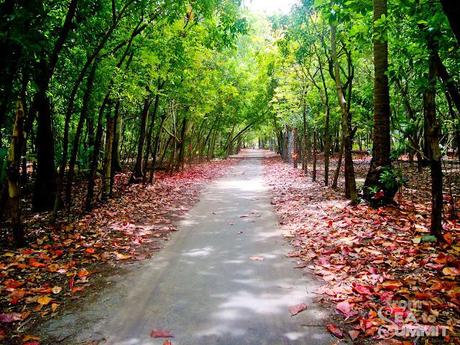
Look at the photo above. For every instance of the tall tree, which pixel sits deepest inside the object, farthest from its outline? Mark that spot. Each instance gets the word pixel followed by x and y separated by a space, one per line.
pixel 381 151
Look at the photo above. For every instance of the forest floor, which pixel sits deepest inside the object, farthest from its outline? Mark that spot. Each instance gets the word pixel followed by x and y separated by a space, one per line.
pixel 369 263
pixel 224 278
pixel 68 260
pixel 382 273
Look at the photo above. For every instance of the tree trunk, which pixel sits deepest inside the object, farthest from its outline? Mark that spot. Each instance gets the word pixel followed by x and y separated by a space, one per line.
pixel 95 156
pixel 138 172
pixel 107 168
pixel 13 176
pixel 313 176
pixel 382 141
pixel 148 149
pixel 45 183
pixel 347 133
pixel 433 129
pixel 335 182
pixel 452 9
pixel 155 150
pixel 84 113
pixel 116 159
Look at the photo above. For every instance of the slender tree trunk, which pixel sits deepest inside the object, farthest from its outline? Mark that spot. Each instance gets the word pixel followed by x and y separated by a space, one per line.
pixel 155 150
pixel 327 147
pixel 95 156
pixel 313 176
pixel 305 134
pixel 13 176
pixel 149 150
pixel 116 159
pixel 107 168
pixel 181 148
pixel 84 113
pixel 296 149
pixel 335 182
pixel 347 133
pixel 433 128
pixel 138 172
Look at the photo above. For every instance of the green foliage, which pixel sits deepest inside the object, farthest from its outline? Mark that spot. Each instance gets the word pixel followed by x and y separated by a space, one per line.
pixel 392 178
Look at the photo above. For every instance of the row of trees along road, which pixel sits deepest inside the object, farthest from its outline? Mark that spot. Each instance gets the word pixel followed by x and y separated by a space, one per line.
pixel 338 62
pixel 91 87
pixel 88 87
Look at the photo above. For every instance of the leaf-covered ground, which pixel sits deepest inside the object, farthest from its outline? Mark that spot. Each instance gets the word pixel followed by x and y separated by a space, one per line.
pixel 62 260
pixel 380 269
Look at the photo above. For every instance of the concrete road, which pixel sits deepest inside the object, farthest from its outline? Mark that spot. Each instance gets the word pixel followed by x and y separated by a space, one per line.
pixel 209 285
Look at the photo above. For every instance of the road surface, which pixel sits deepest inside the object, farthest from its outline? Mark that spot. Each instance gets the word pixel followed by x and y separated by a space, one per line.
pixel 209 285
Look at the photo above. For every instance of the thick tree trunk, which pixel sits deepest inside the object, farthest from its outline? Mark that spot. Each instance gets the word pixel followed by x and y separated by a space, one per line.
pixel 45 183
pixel 452 9
pixel 382 141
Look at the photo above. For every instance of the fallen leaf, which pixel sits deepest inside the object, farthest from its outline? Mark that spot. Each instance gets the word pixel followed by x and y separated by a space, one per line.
pixel 120 256
pixel 44 300
pixel 335 330
pixel 353 334
pixel 451 271
pixel 296 309
pixel 345 308
pixel 158 333
pixel 11 317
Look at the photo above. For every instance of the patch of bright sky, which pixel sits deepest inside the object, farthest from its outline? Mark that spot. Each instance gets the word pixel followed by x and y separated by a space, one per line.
pixel 270 7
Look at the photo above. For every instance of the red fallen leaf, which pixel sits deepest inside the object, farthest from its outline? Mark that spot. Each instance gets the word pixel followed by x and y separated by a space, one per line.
pixel 35 263
pixel 335 330
pixel 58 253
pixel 158 333
pixel 167 342
pixel 11 317
pixel 449 238
pixel 83 273
pixel 296 309
pixel 361 289
pixel 90 250
pixel 72 282
pixel 12 284
pixel 391 284
pixel 345 308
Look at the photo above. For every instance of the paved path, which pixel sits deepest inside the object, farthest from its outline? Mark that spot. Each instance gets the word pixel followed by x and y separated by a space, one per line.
pixel 203 286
